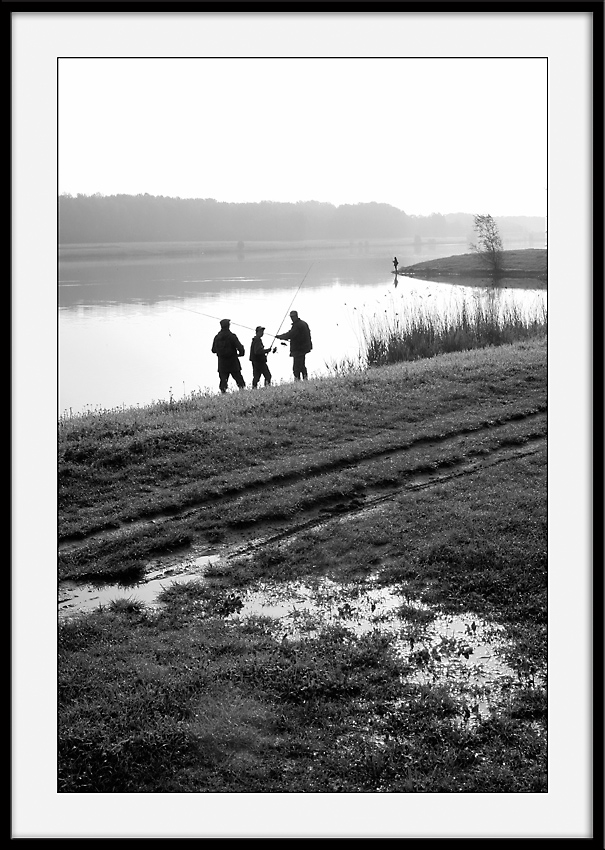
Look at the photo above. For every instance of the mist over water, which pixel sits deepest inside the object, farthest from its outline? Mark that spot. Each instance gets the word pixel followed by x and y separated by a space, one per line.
pixel 134 330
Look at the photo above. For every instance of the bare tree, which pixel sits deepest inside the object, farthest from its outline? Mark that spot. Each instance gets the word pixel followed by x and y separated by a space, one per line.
pixel 489 243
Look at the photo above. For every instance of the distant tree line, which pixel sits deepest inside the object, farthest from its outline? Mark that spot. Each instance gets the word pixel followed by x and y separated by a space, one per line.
pixel 155 218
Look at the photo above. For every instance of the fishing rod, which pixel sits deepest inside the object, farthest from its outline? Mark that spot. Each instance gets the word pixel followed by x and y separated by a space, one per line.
pixel 291 303
pixel 208 316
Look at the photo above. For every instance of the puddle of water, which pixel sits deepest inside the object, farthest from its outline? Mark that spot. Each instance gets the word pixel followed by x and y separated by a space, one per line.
pixel 462 651
pixel 77 598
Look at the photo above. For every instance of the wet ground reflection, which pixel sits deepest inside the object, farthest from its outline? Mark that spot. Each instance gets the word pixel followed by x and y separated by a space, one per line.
pixel 78 598
pixel 463 651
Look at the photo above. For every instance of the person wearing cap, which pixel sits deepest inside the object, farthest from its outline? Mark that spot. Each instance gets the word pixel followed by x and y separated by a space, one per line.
pixel 228 349
pixel 300 345
pixel 258 358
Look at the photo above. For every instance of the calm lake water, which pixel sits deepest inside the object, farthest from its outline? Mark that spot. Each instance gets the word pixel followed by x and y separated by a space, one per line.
pixel 134 330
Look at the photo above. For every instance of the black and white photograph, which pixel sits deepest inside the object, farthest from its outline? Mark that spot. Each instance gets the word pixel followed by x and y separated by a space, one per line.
pixel 303 309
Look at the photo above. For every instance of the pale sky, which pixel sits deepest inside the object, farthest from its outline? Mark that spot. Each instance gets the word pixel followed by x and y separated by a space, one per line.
pixel 423 134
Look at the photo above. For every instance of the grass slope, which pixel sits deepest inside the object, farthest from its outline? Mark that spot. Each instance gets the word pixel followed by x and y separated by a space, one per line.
pixel 119 468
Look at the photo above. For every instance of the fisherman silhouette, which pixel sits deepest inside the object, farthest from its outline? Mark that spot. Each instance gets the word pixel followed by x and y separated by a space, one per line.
pixel 395 262
pixel 228 350
pixel 300 344
pixel 258 358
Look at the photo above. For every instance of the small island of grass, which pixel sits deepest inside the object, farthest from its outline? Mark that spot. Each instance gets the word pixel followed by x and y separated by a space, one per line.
pixel 528 264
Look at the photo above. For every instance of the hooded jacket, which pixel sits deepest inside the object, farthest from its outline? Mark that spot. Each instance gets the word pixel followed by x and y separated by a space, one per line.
pixel 227 346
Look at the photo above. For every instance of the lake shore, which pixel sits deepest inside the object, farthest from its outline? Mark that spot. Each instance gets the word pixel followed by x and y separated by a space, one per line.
pixel 400 498
pixel 529 265
pixel 165 309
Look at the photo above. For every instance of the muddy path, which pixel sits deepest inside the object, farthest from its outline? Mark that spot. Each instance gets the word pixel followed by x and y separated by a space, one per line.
pixel 376 478
pixel 475 658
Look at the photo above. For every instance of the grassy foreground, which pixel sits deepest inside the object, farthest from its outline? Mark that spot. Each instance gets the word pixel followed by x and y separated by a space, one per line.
pixel 189 697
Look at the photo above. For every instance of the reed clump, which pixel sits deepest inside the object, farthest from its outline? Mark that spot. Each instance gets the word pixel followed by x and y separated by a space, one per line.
pixel 421 333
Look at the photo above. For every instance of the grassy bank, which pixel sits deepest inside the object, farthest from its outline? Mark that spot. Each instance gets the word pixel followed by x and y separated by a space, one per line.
pixel 527 263
pixel 422 484
pixel 208 452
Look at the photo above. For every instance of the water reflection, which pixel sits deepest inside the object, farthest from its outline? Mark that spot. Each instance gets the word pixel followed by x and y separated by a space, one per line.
pixel 83 597
pixel 463 651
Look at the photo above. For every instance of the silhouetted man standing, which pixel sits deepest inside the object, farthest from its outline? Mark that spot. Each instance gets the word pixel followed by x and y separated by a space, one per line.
pixel 300 345
pixel 228 349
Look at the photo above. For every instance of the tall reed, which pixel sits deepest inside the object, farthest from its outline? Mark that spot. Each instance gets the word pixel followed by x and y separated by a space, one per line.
pixel 419 332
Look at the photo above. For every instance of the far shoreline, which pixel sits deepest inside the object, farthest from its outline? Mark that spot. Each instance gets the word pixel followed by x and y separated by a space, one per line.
pixel 523 266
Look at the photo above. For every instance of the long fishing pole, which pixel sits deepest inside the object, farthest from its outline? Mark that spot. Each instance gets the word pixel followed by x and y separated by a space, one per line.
pixel 291 303
pixel 208 316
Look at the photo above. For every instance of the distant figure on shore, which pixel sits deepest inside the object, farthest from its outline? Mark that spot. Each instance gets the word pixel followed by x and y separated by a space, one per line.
pixel 228 349
pixel 300 345
pixel 258 358
pixel 395 262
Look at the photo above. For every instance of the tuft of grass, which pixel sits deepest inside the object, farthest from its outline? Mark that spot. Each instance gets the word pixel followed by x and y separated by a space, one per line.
pixel 126 606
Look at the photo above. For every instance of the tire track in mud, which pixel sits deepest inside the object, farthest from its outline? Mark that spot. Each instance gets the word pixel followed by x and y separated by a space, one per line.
pixel 377 495
pixel 323 508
